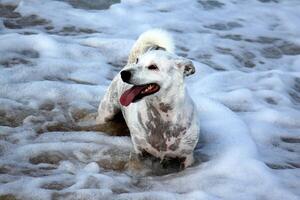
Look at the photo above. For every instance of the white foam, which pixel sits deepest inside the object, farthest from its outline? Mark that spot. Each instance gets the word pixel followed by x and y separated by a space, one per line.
pixel 246 88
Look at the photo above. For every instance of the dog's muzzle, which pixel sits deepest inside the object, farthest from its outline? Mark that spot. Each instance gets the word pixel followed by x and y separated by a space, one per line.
pixel 126 75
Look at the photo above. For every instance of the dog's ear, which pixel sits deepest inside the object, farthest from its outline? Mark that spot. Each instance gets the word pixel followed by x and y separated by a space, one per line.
pixel 186 66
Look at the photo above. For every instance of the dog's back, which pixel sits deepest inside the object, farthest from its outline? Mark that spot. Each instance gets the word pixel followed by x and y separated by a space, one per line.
pixel 155 39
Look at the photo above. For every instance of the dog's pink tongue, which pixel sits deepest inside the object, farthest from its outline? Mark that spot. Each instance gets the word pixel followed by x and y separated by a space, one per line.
pixel 128 96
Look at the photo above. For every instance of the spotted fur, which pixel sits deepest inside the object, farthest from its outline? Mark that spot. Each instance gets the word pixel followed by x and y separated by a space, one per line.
pixel 163 124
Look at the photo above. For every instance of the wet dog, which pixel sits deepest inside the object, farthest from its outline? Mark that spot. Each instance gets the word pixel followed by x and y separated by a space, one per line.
pixel 150 92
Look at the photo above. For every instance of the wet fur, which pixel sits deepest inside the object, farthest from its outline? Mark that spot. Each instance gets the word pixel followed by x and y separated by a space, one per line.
pixel 163 124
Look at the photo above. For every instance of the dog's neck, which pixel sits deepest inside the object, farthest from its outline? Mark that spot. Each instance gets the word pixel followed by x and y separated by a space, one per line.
pixel 171 102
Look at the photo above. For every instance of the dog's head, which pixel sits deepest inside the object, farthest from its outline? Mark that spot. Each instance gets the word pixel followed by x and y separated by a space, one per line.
pixel 154 73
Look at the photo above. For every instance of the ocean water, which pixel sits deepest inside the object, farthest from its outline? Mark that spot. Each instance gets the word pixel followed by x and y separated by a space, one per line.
pixel 58 58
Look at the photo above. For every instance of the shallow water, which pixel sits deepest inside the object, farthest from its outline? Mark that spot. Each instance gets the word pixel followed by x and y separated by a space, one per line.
pixel 92 4
pixel 58 57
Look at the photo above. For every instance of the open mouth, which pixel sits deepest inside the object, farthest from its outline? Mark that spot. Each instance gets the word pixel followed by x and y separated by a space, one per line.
pixel 138 92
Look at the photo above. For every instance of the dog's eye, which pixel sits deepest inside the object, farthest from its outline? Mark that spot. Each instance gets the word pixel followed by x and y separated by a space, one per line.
pixel 137 60
pixel 153 67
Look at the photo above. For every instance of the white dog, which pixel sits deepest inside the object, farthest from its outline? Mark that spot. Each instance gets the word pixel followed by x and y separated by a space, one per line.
pixel 151 95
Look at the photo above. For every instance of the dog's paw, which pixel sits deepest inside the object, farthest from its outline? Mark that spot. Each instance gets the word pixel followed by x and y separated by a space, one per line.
pixel 135 163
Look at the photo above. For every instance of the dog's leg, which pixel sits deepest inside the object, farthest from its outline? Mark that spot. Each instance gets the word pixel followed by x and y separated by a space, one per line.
pixel 137 150
pixel 187 161
pixel 109 106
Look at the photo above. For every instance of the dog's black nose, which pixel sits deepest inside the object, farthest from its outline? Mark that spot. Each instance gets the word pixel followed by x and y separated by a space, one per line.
pixel 125 75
